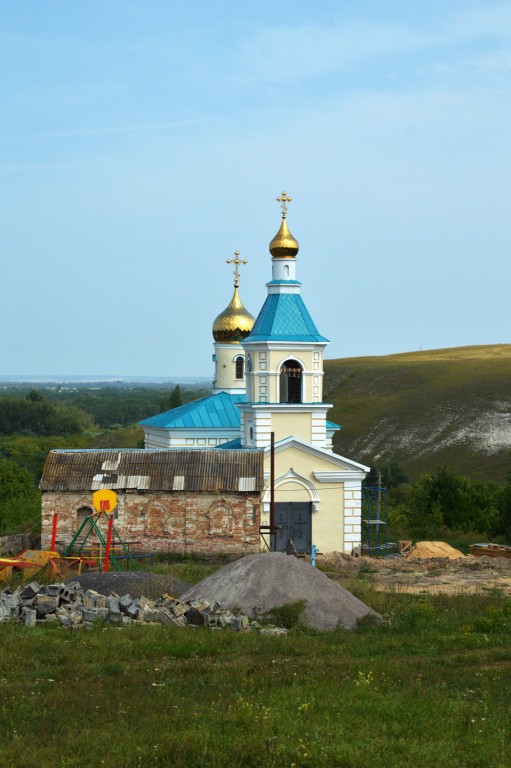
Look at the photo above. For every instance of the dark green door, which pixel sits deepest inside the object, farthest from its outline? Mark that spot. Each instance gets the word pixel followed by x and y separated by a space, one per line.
pixel 294 522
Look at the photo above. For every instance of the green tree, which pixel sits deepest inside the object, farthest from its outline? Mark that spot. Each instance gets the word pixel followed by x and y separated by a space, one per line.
pixel 34 396
pixel 20 506
pixel 14 480
pixel 173 400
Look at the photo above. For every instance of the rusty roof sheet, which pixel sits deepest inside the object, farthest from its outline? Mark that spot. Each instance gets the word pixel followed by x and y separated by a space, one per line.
pixel 144 470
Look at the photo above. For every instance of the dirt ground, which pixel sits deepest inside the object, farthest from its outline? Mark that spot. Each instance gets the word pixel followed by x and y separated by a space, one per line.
pixel 434 575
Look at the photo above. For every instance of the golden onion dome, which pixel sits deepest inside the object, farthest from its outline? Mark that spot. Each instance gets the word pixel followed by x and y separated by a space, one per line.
pixel 284 245
pixel 234 323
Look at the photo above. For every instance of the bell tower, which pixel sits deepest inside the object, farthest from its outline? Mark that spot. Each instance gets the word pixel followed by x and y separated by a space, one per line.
pixel 284 358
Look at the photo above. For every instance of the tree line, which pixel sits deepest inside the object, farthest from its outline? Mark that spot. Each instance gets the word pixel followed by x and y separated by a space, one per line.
pixel 443 502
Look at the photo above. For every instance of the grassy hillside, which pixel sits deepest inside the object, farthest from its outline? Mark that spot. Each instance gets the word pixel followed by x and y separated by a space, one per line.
pixel 426 408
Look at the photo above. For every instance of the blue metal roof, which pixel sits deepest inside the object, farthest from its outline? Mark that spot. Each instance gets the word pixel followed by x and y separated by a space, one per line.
pixel 284 317
pixel 209 412
pixel 231 445
pixel 332 425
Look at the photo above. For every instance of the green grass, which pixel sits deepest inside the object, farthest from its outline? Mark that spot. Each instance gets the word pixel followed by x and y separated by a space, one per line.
pixel 429 688
pixel 434 391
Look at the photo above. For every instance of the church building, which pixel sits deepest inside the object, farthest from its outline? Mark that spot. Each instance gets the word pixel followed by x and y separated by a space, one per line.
pixel 268 382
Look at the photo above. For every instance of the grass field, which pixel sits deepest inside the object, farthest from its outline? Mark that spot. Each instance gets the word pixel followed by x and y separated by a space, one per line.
pixel 429 689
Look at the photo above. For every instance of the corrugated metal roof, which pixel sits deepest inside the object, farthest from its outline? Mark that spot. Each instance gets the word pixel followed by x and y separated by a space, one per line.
pixel 284 317
pixel 168 470
pixel 213 411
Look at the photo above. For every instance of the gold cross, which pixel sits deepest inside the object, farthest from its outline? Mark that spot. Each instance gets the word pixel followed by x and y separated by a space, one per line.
pixel 236 261
pixel 283 199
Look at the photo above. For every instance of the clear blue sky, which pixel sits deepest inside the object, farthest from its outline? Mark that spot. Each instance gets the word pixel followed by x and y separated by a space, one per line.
pixel 143 142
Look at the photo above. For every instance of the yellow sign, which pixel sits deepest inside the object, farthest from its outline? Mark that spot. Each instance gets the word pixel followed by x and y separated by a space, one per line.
pixel 104 500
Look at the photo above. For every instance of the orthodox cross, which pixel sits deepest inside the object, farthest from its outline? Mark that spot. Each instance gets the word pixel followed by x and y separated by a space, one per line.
pixel 236 261
pixel 283 199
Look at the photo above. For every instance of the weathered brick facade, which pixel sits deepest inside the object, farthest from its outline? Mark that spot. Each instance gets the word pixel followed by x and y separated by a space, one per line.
pixel 167 501
pixel 165 522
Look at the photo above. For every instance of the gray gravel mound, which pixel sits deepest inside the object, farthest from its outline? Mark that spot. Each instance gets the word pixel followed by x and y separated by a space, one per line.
pixel 257 583
pixel 135 583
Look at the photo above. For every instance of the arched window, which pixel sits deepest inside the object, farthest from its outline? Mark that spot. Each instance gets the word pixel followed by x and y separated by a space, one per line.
pixel 291 382
pixel 81 514
pixel 286 270
pixel 240 365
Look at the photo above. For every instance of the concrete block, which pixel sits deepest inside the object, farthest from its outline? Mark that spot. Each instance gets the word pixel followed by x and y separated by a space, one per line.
pixel 30 617
pixel 148 615
pixel 76 617
pixel 133 609
pixel 54 590
pixel 66 595
pixel 178 609
pixel 125 602
pixel 45 604
pixel 102 613
pixel 115 617
pixel 165 616
pixel 89 614
pixel 113 604
pixel 239 622
pixel 31 591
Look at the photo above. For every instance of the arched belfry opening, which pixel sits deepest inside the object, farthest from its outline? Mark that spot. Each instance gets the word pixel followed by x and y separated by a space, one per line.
pixel 291 382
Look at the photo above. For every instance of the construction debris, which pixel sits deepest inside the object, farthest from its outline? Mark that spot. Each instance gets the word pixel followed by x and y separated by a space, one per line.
pixel 75 608
pixel 490 550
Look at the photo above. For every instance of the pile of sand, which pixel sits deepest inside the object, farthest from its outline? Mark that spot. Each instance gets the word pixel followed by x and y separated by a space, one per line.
pixel 427 549
pixel 257 583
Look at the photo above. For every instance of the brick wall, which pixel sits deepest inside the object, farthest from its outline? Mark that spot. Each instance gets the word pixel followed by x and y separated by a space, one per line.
pixel 164 522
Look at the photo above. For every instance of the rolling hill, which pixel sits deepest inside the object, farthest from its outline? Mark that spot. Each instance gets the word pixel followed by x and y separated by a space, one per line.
pixel 443 406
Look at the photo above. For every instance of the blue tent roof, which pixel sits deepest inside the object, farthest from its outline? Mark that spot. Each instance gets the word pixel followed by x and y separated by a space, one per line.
pixel 284 317
pixel 213 411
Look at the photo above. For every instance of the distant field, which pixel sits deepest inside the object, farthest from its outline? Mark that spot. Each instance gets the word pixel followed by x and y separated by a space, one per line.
pixel 426 408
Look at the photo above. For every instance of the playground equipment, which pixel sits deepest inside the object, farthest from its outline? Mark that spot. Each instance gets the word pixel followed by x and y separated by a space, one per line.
pixel 104 551
pixel 78 555
pixel 29 561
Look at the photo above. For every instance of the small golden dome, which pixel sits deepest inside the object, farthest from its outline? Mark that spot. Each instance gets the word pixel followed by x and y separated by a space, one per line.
pixel 234 323
pixel 284 245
